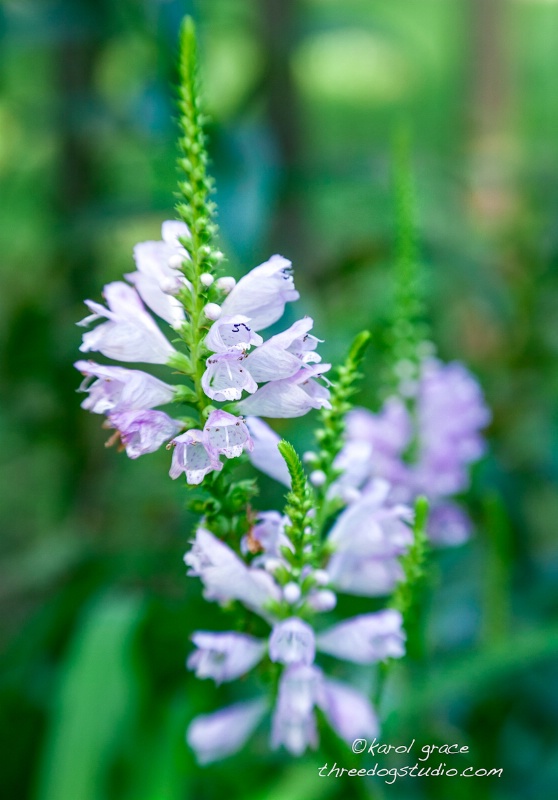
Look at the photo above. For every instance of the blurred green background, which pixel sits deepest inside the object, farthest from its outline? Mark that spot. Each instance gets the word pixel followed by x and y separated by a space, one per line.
pixel 305 97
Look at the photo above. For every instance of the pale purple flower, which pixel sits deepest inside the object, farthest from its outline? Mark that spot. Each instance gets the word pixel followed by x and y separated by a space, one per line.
pixel 427 453
pixel 387 435
pixel 130 333
pixel 158 275
pixel 231 332
pixel 265 456
pixel 262 294
pixel 298 340
pixel 355 462
pixel 369 527
pixel 321 599
pixel 294 721
pixel 270 363
pixel 269 534
pixel 366 576
pixel 292 642
pixel 284 354
pixel 226 434
pixel 449 524
pixel 226 577
pixel 119 389
pixel 290 397
pixel 366 638
pixel 348 711
pixel 224 656
pixel 217 735
pixel 143 431
pixel 450 415
pixel 192 456
pixel 226 377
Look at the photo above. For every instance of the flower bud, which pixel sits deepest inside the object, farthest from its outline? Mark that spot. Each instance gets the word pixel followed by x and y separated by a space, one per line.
pixel 225 284
pixel 309 457
pixel 349 494
pixel 212 311
pixel 291 593
pixel 321 577
pixel 318 478
pixel 206 279
pixel 175 261
pixel 323 600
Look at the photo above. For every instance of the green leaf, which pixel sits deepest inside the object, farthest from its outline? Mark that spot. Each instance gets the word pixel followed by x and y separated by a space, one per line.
pixel 299 782
pixel 93 703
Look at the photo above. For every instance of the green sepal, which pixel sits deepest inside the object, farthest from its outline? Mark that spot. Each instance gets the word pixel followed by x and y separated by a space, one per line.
pixel 183 394
pixel 180 362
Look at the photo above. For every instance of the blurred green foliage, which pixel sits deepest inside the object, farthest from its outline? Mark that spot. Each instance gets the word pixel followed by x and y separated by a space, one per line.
pixel 305 99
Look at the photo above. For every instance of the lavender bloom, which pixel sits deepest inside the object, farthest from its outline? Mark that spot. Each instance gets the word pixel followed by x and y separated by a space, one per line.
pixel 365 639
pixel 284 354
pixel 292 642
pixel 158 276
pixel 450 413
pixel 231 332
pixel 262 294
pixel 120 389
pixel 143 431
pixel 268 535
pixel 224 656
pixel 269 362
pixel 354 461
pixel 369 527
pixel 130 333
pixel 387 435
pixel 321 599
pixel 299 341
pixel 366 576
pixel 265 455
pixel 290 397
pixel 215 736
pixel 294 721
pixel 348 712
pixel 226 377
pixel 193 457
pixel 449 524
pixel 226 434
pixel 226 577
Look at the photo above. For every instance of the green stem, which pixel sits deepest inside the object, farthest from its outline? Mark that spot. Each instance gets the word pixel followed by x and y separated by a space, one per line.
pixel 195 208
pixel 330 436
pixel 407 595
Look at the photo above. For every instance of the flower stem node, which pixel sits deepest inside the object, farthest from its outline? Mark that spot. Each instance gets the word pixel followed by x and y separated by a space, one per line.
pixel 212 311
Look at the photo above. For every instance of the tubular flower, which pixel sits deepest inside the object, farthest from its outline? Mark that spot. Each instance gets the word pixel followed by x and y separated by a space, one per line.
pixel 263 293
pixel 426 453
pixel 224 656
pixel 158 277
pixel 290 397
pixel 117 389
pixel 295 640
pixel 142 431
pixel 130 334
